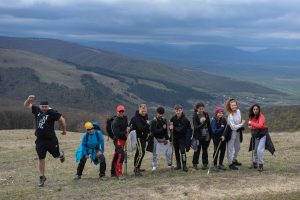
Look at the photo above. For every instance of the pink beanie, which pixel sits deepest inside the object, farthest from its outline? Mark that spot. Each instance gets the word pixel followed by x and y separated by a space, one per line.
pixel 218 109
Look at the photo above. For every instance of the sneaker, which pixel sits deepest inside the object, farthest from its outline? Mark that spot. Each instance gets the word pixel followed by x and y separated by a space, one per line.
pixel 253 166
pixel 233 167
pixel 222 167
pixel 237 163
pixel 142 170
pixel 121 178
pixel 185 169
pixel 62 157
pixel 42 181
pixel 103 178
pixel 153 169
pixel 204 167
pixel 171 166
pixel 77 177
pixel 137 172
pixel 261 167
pixel 195 167
pixel 215 168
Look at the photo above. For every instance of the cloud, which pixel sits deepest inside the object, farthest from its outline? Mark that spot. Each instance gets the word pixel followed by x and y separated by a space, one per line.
pixel 232 22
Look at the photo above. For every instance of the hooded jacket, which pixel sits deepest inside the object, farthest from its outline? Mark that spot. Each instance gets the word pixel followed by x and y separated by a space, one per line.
pixel 90 145
pixel 140 125
pixel 181 126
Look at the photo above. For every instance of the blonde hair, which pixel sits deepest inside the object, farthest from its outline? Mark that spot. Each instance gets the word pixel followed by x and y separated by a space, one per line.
pixel 228 107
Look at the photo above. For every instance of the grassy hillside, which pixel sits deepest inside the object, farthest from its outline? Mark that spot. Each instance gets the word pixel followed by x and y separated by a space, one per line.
pixel 18 174
pixel 73 81
pixel 88 57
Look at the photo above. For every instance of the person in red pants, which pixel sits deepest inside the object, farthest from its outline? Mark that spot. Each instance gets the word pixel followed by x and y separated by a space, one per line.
pixel 120 130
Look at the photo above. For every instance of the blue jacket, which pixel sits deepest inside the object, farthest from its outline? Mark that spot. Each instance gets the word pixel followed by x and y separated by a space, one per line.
pixel 218 129
pixel 90 145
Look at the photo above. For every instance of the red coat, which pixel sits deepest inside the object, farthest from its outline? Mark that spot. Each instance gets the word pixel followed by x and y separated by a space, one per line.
pixel 259 123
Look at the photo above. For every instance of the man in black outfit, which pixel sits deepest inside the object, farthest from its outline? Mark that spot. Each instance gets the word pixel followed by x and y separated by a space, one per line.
pixel 141 125
pixel 45 118
pixel 179 125
pixel 202 132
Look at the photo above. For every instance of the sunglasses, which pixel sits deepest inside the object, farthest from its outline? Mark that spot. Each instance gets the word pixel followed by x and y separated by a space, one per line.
pixel 121 111
pixel 89 129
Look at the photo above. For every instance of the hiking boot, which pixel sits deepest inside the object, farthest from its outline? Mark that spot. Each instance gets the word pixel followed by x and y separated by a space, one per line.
pixel 222 167
pixel 77 177
pixel 204 167
pixel 103 178
pixel 62 157
pixel 253 166
pixel 185 169
pixel 237 163
pixel 42 181
pixel 261 167
pixel 195 167
pixel 233 167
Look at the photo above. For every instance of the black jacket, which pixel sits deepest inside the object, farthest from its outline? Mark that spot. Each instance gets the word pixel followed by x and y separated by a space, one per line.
pixel 269 144
pixel 119 126
pixel 199 126
pixel 157 129
pixel 139 124
pixel 181 126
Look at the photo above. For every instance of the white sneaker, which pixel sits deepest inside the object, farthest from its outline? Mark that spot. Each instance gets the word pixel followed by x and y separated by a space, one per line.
pixel 153 168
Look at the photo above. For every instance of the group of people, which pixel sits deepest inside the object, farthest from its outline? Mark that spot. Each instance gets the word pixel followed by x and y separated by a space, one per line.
pixel 158 136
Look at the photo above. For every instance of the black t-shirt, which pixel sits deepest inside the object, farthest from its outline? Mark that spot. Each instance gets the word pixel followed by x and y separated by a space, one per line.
pixel 44 122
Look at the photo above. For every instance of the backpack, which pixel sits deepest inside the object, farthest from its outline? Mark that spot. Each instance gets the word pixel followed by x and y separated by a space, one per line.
pixel 109 127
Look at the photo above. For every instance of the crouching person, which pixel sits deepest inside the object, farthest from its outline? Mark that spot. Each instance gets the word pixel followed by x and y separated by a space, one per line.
pixel 92 146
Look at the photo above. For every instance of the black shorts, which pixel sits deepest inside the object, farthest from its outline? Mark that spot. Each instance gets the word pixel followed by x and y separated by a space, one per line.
pixel 44 145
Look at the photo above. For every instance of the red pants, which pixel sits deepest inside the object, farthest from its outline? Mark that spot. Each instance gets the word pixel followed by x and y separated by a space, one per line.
pixel 118 158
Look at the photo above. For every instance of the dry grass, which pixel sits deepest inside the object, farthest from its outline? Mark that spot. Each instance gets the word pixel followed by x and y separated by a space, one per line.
pixel 18 174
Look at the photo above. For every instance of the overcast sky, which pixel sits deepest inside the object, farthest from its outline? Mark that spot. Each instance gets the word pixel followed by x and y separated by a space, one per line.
pixel 246 23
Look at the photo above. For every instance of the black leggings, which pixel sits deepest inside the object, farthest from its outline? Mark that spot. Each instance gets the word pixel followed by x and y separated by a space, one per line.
pixel 101 170
pixel 179 148
pixel 220 153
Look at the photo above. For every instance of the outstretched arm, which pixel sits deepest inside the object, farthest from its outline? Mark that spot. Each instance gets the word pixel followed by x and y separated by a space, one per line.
pixel 62 125
pixel 29 101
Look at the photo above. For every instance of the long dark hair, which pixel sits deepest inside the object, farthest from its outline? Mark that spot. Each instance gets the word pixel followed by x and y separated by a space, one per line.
pixel 251 113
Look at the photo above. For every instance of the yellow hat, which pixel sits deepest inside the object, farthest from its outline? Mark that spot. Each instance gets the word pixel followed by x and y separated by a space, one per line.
pixel 88 125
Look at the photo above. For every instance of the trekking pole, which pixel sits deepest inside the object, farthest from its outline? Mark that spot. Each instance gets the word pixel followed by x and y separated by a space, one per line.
pixel 125 167
pixel 253 143
pixel 172 138
pixel 217 150
pixel 214 157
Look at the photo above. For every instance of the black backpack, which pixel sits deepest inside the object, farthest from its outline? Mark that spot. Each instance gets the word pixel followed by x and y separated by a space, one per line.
pixel 109 130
